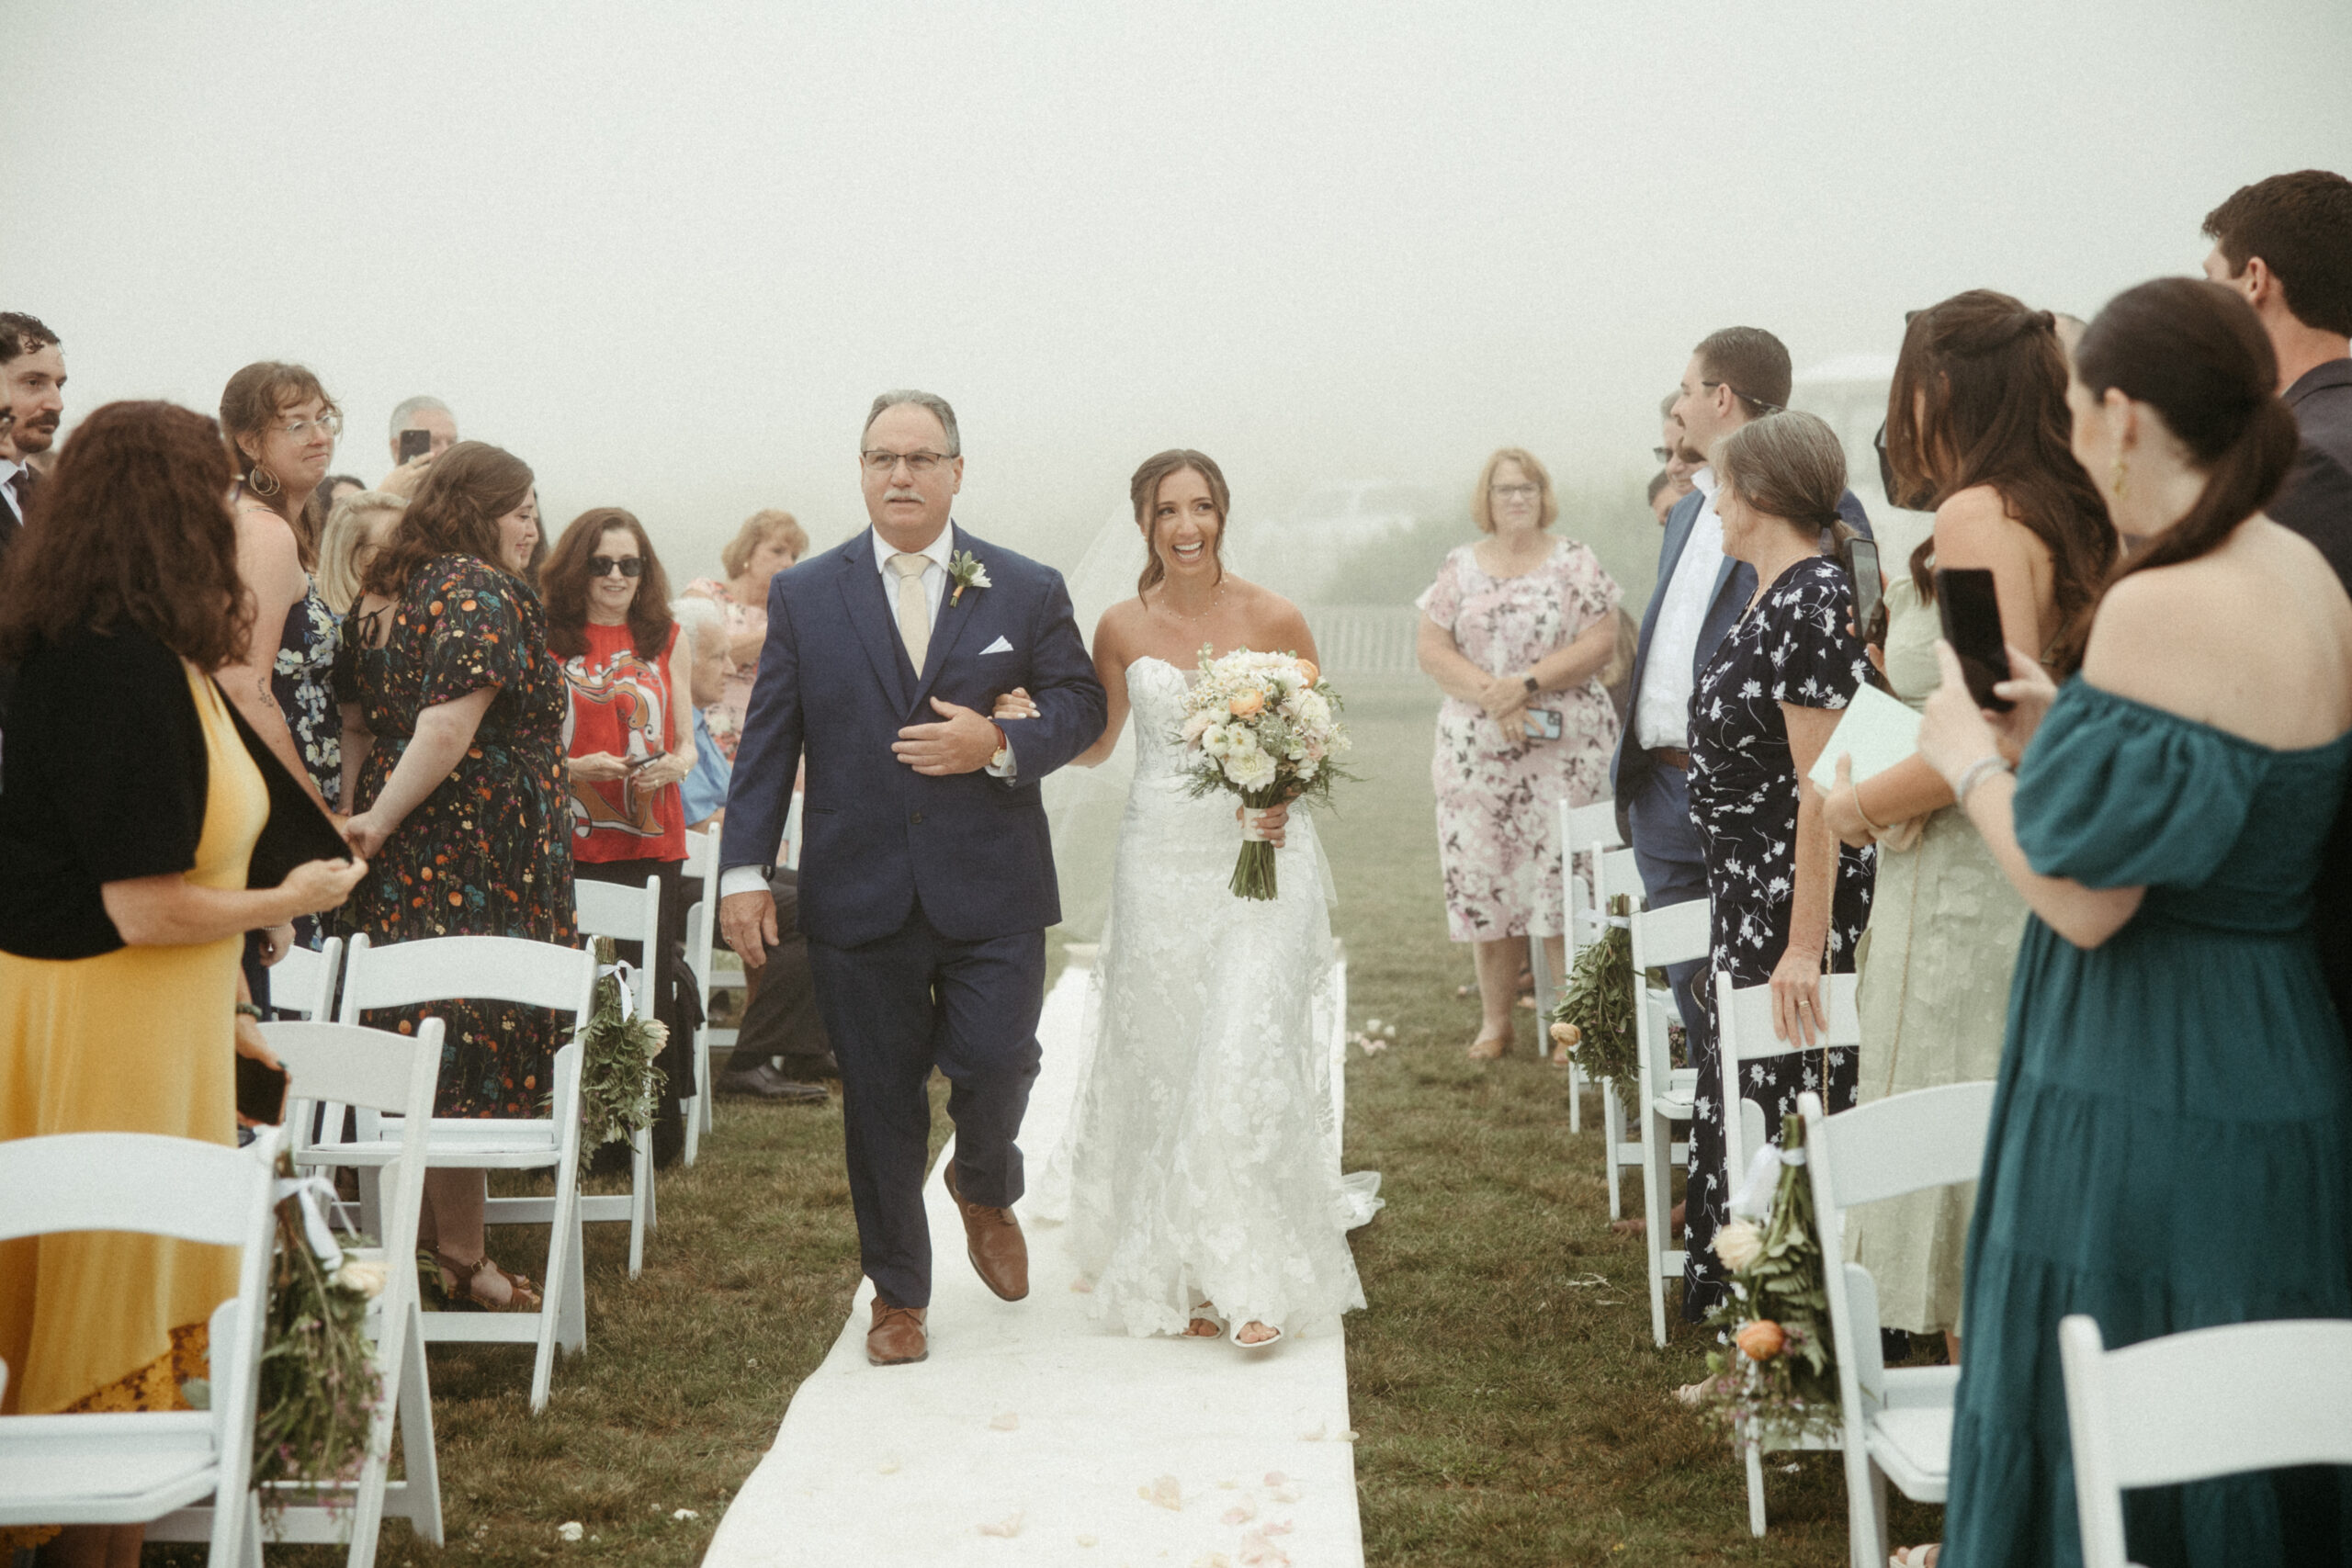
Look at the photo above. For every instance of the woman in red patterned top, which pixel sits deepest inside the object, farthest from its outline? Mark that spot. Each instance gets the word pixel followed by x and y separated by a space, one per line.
pixel 628 741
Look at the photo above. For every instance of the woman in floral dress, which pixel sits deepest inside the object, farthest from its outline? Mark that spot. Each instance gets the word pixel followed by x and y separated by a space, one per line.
pixel 769 542
pixel 1516 630
pixel 1788 903
pixel 460 708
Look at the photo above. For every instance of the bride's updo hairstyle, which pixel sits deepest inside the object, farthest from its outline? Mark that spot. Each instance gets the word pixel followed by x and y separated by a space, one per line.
pixel 1788 465
pixel 2196 353
pixel 1143 490
pixel 455 512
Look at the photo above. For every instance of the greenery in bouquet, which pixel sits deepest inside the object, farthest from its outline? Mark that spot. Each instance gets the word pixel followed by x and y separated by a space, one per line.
pixel 620 1081
pixel 1774 1368
pixel 1593 1023
pixel 317 1387
pixel 1264 726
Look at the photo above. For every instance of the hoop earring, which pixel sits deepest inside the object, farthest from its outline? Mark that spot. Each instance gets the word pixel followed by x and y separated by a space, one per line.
pixel 253 482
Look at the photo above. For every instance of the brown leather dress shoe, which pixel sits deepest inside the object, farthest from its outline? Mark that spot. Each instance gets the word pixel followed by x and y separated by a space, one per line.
pixel 896 1336
pixel 992 1240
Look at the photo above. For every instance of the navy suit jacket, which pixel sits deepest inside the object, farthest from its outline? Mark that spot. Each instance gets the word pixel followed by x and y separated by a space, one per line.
pixel 835 687
pixel 1734 586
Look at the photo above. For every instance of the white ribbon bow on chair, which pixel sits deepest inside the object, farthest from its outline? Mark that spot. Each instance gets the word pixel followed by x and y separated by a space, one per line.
pixel 623 974
pixel 307 1190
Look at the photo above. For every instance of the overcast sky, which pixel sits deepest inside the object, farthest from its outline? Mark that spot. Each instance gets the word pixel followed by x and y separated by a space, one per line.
pixel 667 253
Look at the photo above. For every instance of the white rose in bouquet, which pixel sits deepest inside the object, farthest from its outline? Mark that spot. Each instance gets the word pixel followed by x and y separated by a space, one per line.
pixel 1264 726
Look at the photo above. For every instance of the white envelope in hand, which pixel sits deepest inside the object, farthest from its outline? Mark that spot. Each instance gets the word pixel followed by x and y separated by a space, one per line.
pixel 1877 731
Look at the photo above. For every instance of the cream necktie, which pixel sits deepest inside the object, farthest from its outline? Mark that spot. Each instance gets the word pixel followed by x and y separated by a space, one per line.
pixel 914 608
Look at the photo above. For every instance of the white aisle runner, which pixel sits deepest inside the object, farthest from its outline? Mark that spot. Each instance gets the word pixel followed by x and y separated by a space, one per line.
pixel 1029 1433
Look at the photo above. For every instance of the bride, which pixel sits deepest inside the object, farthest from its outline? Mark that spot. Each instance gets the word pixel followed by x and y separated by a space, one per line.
pixel 1200 1161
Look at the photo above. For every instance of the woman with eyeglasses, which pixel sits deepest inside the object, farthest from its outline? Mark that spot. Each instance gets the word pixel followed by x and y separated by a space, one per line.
pixel 1516 632
pixel 453 715
pixel 628 744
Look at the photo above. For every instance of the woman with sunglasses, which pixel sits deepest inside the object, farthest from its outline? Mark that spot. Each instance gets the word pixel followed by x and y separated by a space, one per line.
pixel 628 742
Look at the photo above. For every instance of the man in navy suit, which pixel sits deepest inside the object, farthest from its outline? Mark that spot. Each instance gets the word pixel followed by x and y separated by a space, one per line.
pixel 1734 376
pixel 926 873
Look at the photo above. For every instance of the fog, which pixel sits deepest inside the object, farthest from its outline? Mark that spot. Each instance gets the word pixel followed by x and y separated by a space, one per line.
pixel 667 253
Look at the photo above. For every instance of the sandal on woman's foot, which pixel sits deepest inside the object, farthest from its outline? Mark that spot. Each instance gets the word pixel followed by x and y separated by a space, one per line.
pixel 1205 1324
pixel 1488 1048
pixel 1916 1557
pixel 460 1280
pixel 1274 1335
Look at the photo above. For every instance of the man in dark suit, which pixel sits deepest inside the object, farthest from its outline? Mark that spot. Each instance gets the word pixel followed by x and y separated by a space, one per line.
pixel 926 872
pixel 32 390
pixel 1734 376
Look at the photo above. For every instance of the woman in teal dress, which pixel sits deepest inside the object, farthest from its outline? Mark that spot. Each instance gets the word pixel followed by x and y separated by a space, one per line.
pixel 2171 1144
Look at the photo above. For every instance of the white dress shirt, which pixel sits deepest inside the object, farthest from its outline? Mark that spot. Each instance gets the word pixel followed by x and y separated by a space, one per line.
pixel 737 879
pixel 10 469
pixel 1662 707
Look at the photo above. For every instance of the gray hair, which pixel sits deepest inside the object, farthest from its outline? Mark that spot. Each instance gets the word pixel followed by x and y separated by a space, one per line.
pixel 410 408
pixel 931 400
pixel 696 615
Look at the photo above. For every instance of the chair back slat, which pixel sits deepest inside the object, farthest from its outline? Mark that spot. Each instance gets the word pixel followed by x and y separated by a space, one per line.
pixel 373 1068
pixel 1585 826
pixel 621 912
pixel 130 1181
pixel 303 981
pixel 2219 1401
pixel 481 968
pixel 1905 1142
pixel 1744 1020
pixel 1676 934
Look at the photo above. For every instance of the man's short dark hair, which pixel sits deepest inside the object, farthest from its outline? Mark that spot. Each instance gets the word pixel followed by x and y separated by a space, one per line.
pixel 20 335
pixel 1752 362
pixel 2300 225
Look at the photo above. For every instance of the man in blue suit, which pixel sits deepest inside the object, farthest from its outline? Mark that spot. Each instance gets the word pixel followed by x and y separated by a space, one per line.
pixel 926 873
pixel 1734 376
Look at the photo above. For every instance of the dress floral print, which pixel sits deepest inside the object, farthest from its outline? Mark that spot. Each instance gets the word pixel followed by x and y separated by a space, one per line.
pixel 1499 793
pixel 301 679
pixel 488 851
pixel 1790 647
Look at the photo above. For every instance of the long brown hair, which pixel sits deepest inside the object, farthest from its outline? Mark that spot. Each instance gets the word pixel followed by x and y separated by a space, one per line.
pixel 1143 494
pixel 454 513
pixel 2196 353
pixel 131 530
pixel 1790 466
pixel 253 397
pixel 1979 398
pixel 564 583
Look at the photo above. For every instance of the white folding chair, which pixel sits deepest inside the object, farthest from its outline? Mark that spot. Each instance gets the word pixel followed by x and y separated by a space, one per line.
pixel 1614 876
pixel 507 969
pixel 1744 1034
pixel 630 914
pixel 701 871
pixel 303 980
pixel 1676 934
pixel 375 1070
pixel 1581 828
pixel 108 1469
pixel 1897 1421
pixel 2191 1406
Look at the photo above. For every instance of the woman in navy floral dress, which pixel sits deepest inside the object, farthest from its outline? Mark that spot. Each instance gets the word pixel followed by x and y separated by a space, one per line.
pixel 458 706
pixel 1760 716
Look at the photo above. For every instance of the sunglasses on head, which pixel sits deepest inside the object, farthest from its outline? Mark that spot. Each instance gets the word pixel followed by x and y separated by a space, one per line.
pixel 601 566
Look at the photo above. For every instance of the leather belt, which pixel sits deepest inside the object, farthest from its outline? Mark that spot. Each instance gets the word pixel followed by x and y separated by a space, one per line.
pixel 1673 757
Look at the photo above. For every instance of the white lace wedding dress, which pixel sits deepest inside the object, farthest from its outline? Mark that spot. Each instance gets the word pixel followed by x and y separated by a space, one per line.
pixel 1200 1161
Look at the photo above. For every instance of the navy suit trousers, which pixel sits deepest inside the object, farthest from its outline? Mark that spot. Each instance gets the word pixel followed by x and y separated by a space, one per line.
pixel 897 1008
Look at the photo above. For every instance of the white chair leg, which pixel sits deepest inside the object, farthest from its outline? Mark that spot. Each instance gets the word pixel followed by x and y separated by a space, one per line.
pixel 1612 1133
pixel 640 1198
pixel 572 1332
pixel 421 1491
pixel 1575 1084
pixel 1754 1458
pixel 1656 1134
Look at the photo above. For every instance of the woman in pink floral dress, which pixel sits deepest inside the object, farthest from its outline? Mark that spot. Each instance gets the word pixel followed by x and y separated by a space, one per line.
pixel 1516 630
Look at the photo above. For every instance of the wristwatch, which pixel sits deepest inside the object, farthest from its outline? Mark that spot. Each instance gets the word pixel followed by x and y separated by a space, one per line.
pixel 1533 686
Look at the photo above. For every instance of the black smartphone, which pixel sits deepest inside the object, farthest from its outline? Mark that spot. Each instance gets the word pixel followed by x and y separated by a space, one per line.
pixel 261 1091
pixel 1972 617
pixel 1859 557
pixel 415 444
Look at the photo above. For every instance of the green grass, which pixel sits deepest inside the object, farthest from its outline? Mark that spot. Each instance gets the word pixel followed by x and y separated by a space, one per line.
pixel 1514 1411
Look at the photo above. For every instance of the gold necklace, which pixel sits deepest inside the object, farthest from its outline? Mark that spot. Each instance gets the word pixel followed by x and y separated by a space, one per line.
pixel 1215 599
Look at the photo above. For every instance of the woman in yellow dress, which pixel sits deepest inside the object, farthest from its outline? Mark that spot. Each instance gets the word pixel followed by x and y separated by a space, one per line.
pixel 134 811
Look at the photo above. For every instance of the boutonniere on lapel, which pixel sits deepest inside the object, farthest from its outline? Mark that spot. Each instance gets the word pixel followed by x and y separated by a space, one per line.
pixel 964 569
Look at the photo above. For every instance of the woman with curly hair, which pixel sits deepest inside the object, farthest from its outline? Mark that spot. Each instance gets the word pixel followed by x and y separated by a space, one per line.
pixel 453 714
pixel 144 830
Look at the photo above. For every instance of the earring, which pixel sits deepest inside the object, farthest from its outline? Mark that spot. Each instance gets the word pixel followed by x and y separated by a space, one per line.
pixel 2122 476
pixel 254 482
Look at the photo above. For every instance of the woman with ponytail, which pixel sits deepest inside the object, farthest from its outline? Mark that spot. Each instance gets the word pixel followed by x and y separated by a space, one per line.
pixel 2171 1144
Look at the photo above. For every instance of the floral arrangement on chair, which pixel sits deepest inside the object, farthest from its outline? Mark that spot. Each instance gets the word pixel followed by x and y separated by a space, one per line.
pixel 1592 1026
pixel 1775 1368
pixel 1264 726
pixel 620 1081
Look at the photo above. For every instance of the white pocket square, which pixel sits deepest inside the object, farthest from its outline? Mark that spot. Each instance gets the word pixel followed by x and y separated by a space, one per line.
pixel 999 646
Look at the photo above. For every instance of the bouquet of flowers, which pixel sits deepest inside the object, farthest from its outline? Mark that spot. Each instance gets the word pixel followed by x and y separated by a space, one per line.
pixel 1775 1369
pixel 1593 1024
pixel 1264 726
pixel 620 1082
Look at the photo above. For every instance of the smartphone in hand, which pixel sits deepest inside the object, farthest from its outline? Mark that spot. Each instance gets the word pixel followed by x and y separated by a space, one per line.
pixel 1859 557
pixel 261 1091
pixel 1972 619
pixel 415 444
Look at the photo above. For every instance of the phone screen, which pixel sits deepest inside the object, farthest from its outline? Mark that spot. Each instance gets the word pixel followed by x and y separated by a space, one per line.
pixel 415 444
pixel 261 1091
pixel 1972 618
pixel 1870 596
pixel 1544 724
